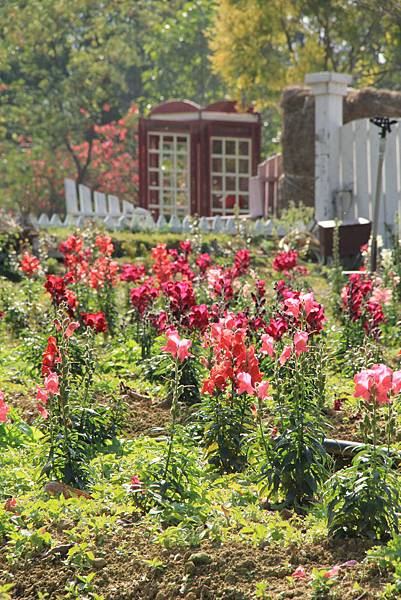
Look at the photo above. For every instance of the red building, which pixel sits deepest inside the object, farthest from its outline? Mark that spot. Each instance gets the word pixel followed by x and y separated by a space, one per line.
pixel 195 160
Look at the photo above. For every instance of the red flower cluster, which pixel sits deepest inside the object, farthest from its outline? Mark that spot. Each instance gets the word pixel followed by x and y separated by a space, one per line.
pixel 199 318
pixel 285 261
pixel 104 271
pixel 96 321
pixel 203 262
pixel 242 260
pixel 142 297
pixel 57 288
pixel 132 273
pixel 29 264
pixel 104 244
pixel 181 297
pixel 358 303
pixel 161 263
pixel 233 362
pixel 50 357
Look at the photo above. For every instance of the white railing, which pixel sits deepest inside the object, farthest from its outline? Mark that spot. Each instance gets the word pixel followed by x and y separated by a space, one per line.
pixel 84 207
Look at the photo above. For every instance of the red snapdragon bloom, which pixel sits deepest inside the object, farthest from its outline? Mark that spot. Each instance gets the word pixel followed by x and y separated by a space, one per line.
pixel 181 297
pixel 234 363
pixel 203 262
pixel 161 263
pixel 242 261
pixel 199 317
pixel 30 265
pixel 277 328
pixel 186 247
pixel 132 273
pixel 104 244
pixel 143 296
pixel 50 357
pixel 57 288
pixel 96 321
pixel 104 271
pixel 285 261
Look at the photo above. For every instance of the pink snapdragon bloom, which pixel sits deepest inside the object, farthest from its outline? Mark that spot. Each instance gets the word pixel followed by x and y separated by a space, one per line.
pixel 244 381
pixel 52 384
pixel 396 382
pixel 308 302
pixel 293 306
pixel 4 409
pixel 177 347
pixel 374 384
pixel 267 344
pixel 382 295
pixel 71 328
pixel 333 572
pixel 285 355
pixel 301 342
pixel 300 573
pixel 262 389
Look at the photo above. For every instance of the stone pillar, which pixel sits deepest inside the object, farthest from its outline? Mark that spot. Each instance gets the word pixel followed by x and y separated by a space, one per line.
pixel 329 89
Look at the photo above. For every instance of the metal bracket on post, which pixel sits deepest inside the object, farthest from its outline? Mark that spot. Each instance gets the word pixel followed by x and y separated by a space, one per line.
pixel 384 124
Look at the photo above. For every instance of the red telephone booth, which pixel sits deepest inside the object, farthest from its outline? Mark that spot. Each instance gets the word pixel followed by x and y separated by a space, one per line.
pixel 195 160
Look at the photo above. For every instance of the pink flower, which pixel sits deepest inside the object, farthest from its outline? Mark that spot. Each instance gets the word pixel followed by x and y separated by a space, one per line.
pixel 52 384
pixel 261 390
pixel 4 409
pixel 177 347
pixel 285 355
pixel 136 483
pixel 349 563
pixel 293 306
pixel 300 342
pixel 71 328
pixel 300 573
pixel 333 572
pixel 41 396
pixel 267 344
pixel 374 384
pixel 308 302
pixel 396 382
pixel 244 382
pixel 42 411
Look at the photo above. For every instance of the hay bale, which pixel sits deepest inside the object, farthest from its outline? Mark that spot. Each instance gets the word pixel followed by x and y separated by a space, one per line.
pixel 298 137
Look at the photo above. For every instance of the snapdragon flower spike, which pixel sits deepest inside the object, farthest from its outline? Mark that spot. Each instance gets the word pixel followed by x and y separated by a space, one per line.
pixel 262 389
pixel 52 384
pixel 285 355
pixel 42 398
pixel 374 384
pixel 4 409
pixel 244 384
pixel 267 344
pixel 301 342
pixel 177 347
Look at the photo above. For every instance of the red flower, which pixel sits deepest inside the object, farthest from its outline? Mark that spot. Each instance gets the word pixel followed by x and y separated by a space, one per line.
pixel 50 357
pixel 277 328
pixel 199 317
pixel 4 409
pixel 132 273
pixel 203 262
pixel 96 321
pixel 242 261
pixel 29 264
pixel 177 347
pixel 285 261
pixel 142 297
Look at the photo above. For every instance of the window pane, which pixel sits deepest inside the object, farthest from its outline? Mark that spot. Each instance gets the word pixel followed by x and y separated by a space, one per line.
pixel 154 141
pixel 217 201
pixel 230 183
pixel 217 165
pixel 154 197
pixel 217 147
pixel 243 202
pixel 217 183
pixel 230 147
pixel 243 166
pixel 230 165
pixel 154 178
pixel 230 201
pixel 243 184
pixel 244 148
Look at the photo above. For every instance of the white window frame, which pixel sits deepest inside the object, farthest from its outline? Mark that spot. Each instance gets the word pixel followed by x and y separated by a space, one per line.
pixel 173 190
pixel 224 174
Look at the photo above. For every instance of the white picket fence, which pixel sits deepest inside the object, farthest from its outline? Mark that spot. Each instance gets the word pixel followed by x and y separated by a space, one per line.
pixel 114 215
pixel 357 165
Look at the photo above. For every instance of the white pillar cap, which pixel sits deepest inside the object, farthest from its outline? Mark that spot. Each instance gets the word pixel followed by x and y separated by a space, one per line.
pixel 328 82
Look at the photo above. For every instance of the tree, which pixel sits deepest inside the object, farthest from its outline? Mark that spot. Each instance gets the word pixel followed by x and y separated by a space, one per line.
pixel 180 58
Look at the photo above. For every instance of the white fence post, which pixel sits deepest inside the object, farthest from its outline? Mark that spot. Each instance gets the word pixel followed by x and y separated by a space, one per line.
pixel 329 89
